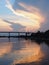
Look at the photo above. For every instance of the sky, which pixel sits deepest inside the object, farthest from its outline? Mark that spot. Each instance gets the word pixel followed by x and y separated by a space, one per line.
pixel 24 15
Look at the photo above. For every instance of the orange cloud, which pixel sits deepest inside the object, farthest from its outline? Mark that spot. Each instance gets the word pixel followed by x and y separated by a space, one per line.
pixel 34 22
pixel 32 9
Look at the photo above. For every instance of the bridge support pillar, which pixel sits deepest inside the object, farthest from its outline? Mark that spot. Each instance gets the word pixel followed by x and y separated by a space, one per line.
pixel 26 34
pixel 9 35
pixel 18 34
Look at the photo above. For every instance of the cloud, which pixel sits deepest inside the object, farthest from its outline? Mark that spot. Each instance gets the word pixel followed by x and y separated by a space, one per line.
pixel 29 7
pixel 35 20
pixel 33 16
pixel 9 6
pixel 4 26
pixel 16 26
pixel 32 10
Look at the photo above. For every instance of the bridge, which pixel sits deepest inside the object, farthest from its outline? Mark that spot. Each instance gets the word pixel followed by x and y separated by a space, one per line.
pixel 15 34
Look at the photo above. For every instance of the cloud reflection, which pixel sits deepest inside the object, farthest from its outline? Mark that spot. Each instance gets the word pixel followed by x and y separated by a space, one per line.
pixel 21 52
pixel 5 48
pixel 31 53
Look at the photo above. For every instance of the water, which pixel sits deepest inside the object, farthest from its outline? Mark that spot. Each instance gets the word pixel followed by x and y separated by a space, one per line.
pixel 16 51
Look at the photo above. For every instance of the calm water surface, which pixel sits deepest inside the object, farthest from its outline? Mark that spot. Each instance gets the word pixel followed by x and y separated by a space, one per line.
pixel 20 51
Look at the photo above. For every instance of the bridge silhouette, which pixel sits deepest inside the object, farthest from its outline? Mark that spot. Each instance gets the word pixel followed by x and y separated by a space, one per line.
pixel 15 34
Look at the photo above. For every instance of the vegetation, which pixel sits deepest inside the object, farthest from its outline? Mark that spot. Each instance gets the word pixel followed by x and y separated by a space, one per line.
pixel 41 35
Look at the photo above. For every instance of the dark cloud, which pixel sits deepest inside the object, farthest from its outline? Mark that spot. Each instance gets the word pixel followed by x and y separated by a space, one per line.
pixel 43 5
pixel 16 26
pixel 44 26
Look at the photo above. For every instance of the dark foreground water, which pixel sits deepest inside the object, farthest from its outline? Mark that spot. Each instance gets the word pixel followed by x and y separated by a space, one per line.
pixel 25 52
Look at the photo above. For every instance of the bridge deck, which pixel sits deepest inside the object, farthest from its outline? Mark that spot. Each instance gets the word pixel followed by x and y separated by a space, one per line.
pixel 20 34
pixel 15 32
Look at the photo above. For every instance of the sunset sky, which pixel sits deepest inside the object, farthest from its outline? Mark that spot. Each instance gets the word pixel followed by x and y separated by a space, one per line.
pixel 24 15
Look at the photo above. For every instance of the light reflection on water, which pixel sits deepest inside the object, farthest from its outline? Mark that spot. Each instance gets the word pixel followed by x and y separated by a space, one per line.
pixel 18 51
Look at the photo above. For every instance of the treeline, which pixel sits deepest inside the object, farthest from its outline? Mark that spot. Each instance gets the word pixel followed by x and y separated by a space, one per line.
pixel 40 35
